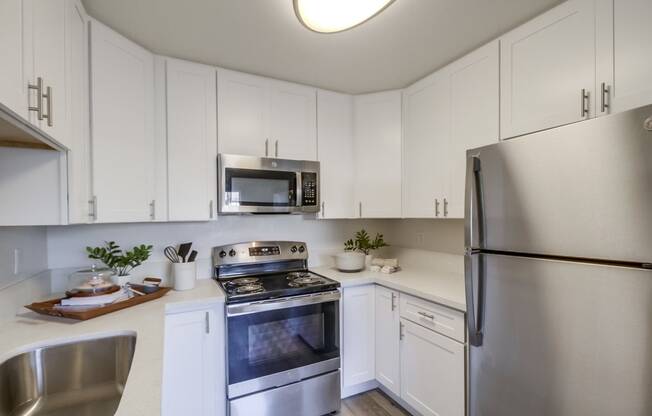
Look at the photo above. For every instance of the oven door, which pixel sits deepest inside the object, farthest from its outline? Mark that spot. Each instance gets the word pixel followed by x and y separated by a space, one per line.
pixel 283 341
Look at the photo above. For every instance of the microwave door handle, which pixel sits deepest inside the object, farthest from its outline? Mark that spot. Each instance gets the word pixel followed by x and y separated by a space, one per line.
pixel 299 192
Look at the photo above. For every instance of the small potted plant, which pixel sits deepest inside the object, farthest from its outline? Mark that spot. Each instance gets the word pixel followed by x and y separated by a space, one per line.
pixel 119 261
pixel 357 251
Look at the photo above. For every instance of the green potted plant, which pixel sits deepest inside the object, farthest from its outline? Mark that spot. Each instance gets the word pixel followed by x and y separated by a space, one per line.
pixel 357 251
pixel 119 261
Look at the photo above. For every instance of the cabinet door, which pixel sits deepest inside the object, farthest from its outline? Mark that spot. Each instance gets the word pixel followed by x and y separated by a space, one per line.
pixel 387 339
pixel 243 106
pixel 190 367
pixel 335 150
pixel 13 84
pixel 425 139
pixel 432 372
pixel 545 65
pixel 624 59
pixel 474 117
pixel 122 80
pixel 79 157
pixel 48 50
pixel 357 335
pixel 293 121
pixel 377 151
pixel 192 140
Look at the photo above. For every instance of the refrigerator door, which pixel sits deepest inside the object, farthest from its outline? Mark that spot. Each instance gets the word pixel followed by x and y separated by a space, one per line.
pixel 583 190
pixel 559 338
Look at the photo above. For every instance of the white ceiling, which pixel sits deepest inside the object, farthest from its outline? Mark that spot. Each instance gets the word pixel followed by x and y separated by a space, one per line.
pixel 408 40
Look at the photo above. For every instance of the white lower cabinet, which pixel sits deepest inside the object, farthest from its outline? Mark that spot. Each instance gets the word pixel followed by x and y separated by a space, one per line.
pixel 432 371
pixel 387 339
pixel 193 364
pixel 357 347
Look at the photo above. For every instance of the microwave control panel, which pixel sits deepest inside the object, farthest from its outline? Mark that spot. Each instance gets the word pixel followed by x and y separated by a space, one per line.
pixel 309 188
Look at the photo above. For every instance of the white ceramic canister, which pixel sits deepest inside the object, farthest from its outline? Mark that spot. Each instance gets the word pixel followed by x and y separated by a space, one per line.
pixel 185 275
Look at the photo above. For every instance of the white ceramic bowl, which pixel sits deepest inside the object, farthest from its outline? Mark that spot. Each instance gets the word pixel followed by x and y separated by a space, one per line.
pixel 350 261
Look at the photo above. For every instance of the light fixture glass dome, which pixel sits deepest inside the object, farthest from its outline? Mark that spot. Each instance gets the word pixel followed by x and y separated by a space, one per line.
pixel 330 16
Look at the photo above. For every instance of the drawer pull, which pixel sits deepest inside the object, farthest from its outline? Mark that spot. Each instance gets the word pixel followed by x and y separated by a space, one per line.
pixel 427 315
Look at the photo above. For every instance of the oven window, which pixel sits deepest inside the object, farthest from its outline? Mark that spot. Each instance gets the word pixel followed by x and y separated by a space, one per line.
pixel 270 342
pixel 246 187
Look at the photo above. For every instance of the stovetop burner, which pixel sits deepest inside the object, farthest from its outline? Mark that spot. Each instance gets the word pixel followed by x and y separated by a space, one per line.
pixel 244 281
pixel 249 288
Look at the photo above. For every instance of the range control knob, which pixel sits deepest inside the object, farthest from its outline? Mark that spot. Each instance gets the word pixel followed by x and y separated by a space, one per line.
pixel 293 249
pixel 302 249
pixel 222 254
pixel 232 252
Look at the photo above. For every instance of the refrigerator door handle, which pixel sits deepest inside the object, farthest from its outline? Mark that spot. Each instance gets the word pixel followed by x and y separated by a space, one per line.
pixel 474 316
pixel 474 204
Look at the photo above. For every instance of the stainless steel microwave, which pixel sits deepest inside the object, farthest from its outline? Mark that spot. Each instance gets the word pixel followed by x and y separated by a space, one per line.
pixel 261 185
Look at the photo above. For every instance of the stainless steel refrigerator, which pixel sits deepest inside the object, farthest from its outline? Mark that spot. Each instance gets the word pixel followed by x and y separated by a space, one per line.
pixel 559 271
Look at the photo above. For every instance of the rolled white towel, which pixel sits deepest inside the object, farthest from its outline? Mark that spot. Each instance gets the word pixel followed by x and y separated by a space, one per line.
pixel 374 268
pixel 390 262
pixel 388 269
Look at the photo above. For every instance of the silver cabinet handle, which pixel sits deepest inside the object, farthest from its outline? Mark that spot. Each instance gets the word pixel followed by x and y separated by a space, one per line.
pixel 48 100
pixel 436 207
pixel 266 147
pixel 276 148
pixel 323 209
pixel 401 333
pixel 393 300
pixel 210 209
pixel 92 208
pixel 208 323
pixel 39 102
pixel 360 209
pixel 152 209
pixel 445 207
pixel 604 97
pixel 585 103
pixel 427 315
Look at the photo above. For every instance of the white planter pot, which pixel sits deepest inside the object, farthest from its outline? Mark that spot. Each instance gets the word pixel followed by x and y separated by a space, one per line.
pixel 350 261
pixel 121 280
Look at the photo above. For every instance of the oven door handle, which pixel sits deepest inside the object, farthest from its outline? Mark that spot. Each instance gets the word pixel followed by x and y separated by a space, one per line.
pixel 283 303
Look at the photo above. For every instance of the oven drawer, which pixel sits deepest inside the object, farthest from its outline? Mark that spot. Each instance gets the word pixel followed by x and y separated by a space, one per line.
pixel 312 397
pixel 439 318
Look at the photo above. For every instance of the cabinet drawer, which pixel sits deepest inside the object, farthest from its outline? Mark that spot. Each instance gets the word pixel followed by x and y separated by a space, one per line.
pixel 444 320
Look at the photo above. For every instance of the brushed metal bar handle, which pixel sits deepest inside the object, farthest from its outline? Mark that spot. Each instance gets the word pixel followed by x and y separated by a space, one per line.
pixel 436 207
pixel 360 209
pixel 276 148
pixel 208 324
pixel 266 147
pixel 393 300
pixel 604 95
pixel 401 333
pixel 39 93
pixel 48 100
pixel 210 209
pixel 585 107
pixel 152 209
pixel 427 315
pixel 445 207
pixel 92 208
pixel 323 209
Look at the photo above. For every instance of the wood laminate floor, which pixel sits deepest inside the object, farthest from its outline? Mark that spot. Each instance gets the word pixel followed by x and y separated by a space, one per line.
pixel 371 403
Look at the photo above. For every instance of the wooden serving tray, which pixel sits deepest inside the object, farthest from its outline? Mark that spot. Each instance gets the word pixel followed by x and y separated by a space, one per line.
pixel 47 307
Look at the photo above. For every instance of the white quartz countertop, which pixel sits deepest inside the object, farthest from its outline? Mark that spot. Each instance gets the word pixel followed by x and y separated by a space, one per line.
pixel 435 278
pixel 142 394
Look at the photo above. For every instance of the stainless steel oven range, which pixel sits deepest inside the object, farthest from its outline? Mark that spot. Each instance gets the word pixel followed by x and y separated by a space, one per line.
pixel 282 330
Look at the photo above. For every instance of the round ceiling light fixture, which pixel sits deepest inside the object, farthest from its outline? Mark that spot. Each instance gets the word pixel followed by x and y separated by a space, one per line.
pixel 332 16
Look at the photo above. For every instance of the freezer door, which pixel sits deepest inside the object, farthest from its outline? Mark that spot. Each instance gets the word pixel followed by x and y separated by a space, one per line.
pixel 583 190
pixel 559 338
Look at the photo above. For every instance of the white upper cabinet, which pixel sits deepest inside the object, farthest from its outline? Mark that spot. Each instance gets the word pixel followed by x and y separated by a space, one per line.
pixel 335 151
pixel 426 131
pixel 191 140
pixel 124 147
pixel 79 157
pixel 474 117
pixel 13 84
pixel 624 59
pixel 243 105
pixel 45 35
pixel 548 70
pixel 388 367
pixel 293 121
pixel 377 150
pixel 264 117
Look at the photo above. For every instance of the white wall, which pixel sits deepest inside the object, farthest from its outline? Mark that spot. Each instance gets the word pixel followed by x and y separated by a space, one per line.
pixel 444 236
pixel 324 237
pixel 31 244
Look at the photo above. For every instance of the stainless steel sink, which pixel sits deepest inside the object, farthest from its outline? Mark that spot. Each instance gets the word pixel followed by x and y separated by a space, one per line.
pixel 73 379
